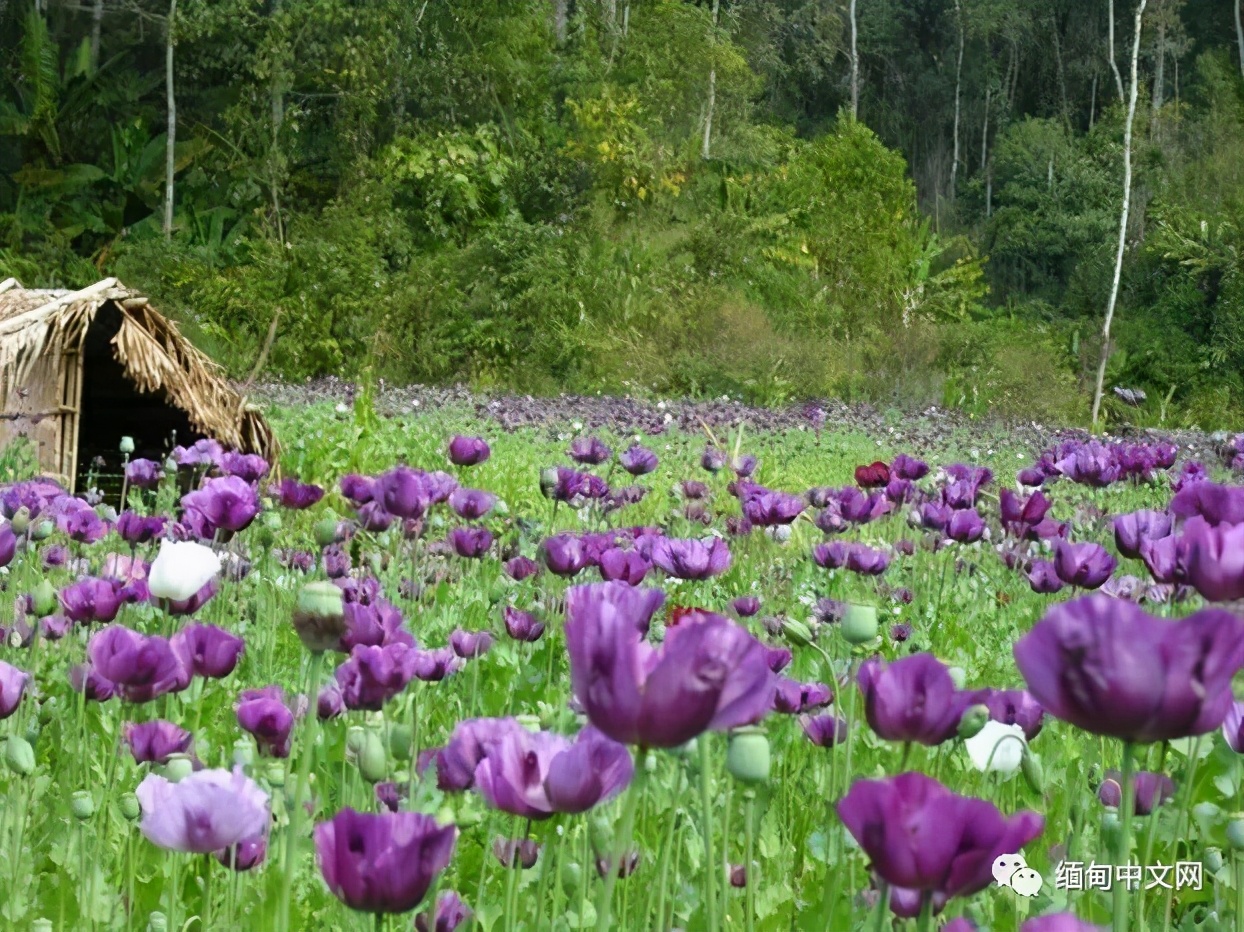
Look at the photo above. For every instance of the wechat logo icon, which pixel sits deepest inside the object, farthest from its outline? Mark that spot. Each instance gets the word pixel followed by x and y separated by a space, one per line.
pixel 1011 870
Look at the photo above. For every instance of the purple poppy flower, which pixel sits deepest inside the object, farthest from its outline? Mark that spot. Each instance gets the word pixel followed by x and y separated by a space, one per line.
pixel 824 731
pixel 294 495
pixel 12 687
pixel 92 600
pixel 470 644
pixel 358 490
pixel 191 605
pixel 226 504
pixel 329 704
pixel 432 666
pixel 1214 559
pixel 912 699
pixel 1189 474
pixel 85 679
pixel 516 853
pixel 403 492
pixel 1166 558
pixel 564 555
pixel 263 714
pixel 858 508
pixel 709 673
pixel 468 451
pixel 691 559
pixel 589 451
pixel 374 675
pixel 208 651
pixel 8 544
pixel 1091 464
pixel 934 516
pixel 693 489
pixel 919 835
pixel 712 459
pixel 866 560
pixel 471 504
pixel 154 742
pixel 778 658
pixel 143 474
pixel 451 912
pixel 55 627
pixel 909 468
pixel 1050 922
pixel 534 775
pixel 250 467
pixel 1032 477
pixel 247 854
pixel 1013 707
pixel 794 698
pixel 638 461
pixel 374 624
pixel 1233 727
pixel 202 453
pixel 522 626
pixel 471 542
pixel 1149 791
pixel 136 529
pixel 390 795
pixel 965 526
pixel 1086 565
pixel 900 633
pixel 1109 667
pixel 1217 504
pixel 744 465
pixel 628 566
pixel 207 811
pixel 472 740
pixel 745 606
pixel 769 509
pixel 520 568
pixel 382 863
pixel 79 522
pixel 1130 530
pixel 1027 518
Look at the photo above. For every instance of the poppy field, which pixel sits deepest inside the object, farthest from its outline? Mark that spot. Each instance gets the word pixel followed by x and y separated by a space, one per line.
pixel 436 672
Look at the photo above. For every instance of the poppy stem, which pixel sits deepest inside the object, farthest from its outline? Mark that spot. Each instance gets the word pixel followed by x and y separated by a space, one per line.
pixel 925 922
pixel 706 804
pixel 300 791
pixel 1123 852
pixel 883 900
pixel 751 869
pixel 622 846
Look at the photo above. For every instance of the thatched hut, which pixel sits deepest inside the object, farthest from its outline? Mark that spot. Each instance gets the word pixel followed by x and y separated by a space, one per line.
pixel 81 369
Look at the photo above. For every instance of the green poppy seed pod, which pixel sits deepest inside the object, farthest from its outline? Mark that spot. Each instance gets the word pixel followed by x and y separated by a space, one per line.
pixel 859 625
pixel 548 481
pixel 401 740
pixel 319 616
pixel 973 720
pixel 572 876
pixel 43 597
pixel 1111 830
pixel 600 830
pixel 19 756
pixel 48 710
pixel 276 774
pixel 355 736
pixel 530 722
pixel 1235 831
pixel 1213 860
pixel 1034 773
pixel 796 632
pixel 326 530
pixel 747 758
pixel 373 764
pixel 179 767
pixel 157 922
pixel 42 530
pixel 41 925
pixel 958 676
pixel 130 807
pixel 20 522
pixel 243 752
pixel 82 805
pixel 127 445
pixel 265 537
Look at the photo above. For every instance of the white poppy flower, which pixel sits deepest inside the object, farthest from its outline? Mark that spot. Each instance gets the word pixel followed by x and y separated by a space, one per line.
pixel 997 747
pixel 181 569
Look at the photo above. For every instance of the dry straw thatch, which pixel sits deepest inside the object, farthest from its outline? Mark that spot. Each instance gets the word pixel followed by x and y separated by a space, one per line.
pixel 42 334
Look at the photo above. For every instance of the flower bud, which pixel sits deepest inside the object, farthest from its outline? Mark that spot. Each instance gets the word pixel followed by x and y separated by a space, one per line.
pixel 650 764
pixel 400 742
pixel 127 445
pixel 157 922
pixel 748 756
pixel 973 720
pixel 319 617
pixel 1034 773
pixel 1235 831
pixel 43 598
pixel 19 756
pixel 265 537
pixel 20 522
pixel 130 807
pixel 276 774
pixel 179 767
pixel 958 676
pixel 796 632
pixel 1213 860
pixel 373 764
pixel 572 876
pixel 1111 830
pixel 859 625
pixel 42 530
pixel 48 710
pixel 548 481
pixel 355 736
pixel 82 804
pixel 326 531
pixel 600 831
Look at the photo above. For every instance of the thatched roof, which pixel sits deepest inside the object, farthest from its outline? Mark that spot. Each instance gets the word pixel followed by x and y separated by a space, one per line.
pixel 35 324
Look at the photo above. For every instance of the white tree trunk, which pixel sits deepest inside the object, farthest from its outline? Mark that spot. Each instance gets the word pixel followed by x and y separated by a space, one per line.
pixel 169 160
pixel 954 162
pixel 1127 203
pixel 712 92
pixel 1093 102
pixel 985 132
pixel 1114 65
pixel 1159 74
pixel 97 24
pixel 855 62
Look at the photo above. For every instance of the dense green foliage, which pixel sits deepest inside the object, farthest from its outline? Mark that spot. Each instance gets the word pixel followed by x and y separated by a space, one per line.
pixel 517 193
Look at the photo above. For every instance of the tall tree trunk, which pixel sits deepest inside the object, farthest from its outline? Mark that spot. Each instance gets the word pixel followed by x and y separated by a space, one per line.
pixel 712 91
pixel 1239 34
pixel 954 162
pixel 97 25
pixel 1159 71
pixel 1062 74
pixel 1127 203
pixel 1093 102
pixel 561 20
pixel 985 132
pixel 276 103
pixel 1114 65
pixel 171 141
pixel 855 64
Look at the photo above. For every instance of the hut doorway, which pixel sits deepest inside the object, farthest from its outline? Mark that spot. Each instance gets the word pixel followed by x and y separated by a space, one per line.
pixel 111 408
